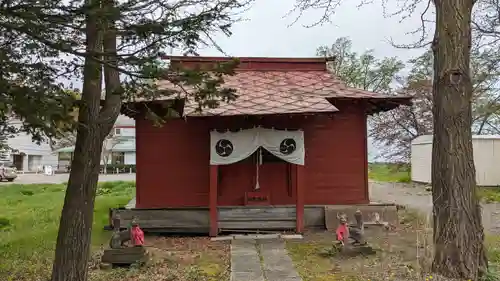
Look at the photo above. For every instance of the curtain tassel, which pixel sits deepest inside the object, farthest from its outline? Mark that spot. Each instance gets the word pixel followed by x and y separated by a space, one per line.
pixel 259 162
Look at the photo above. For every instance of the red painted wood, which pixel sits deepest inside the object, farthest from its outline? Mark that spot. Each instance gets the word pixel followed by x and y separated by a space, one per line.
pixel 273 179
pixel 172 161
pixel 367 195
pixel 214 229
pixel 299 206
pixel 235 180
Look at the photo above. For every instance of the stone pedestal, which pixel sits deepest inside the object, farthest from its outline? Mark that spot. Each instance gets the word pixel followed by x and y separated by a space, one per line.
pixel 125 256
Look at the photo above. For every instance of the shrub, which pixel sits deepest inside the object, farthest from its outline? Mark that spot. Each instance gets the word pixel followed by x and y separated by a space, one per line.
pixel 27 192
pixel 115 187
pixel 4 223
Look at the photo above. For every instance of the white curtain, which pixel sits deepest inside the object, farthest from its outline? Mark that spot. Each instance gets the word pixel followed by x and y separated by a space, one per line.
pixel 231 147
pixel 287 145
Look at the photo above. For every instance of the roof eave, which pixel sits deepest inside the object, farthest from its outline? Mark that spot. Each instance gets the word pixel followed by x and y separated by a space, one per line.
pixel 383 104
pixel 377 104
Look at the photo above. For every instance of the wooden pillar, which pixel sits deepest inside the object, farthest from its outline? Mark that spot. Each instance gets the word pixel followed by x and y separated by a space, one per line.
pixel 299 205
pixel 365 144
pixel 214 227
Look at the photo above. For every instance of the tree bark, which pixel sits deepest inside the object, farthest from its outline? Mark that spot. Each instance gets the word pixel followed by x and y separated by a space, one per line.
pixel 114 90
pixel 458 229
pixel 74 237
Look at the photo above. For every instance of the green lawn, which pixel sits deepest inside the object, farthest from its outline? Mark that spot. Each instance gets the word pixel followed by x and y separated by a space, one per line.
pixel 490 194
pixel 389 172
pixel 29 219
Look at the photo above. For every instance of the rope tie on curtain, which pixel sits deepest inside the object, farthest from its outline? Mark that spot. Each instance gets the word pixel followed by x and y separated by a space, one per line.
pixel 259 162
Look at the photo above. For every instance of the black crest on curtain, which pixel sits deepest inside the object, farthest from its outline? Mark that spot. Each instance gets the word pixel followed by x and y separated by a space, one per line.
pixel 288 146
pixel 224 148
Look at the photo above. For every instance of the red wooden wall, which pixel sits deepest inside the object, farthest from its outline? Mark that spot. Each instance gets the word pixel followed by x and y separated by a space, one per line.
pixel 173 161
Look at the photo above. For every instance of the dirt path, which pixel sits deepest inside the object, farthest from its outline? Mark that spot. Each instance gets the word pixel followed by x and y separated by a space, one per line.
pixel 415 197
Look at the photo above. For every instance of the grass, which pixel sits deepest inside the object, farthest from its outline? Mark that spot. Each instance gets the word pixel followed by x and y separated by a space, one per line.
pixel 29 220
pixel 493 243
pixel 403 254
pixel 389 172
pixel 490 194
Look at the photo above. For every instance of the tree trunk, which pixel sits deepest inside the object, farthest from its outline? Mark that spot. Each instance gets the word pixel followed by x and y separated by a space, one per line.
pixel 73 240
pixel 458 230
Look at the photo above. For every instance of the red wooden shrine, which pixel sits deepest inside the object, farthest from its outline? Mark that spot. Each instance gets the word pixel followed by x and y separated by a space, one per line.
pixel 173 160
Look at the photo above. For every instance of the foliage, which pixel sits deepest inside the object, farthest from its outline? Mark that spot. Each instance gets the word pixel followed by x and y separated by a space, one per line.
pixel 42 47
pixel 115 187
pixel 393 131
pixel 4 223
pixel 363 71
pixel 493 242
pixel 119 41
pixel 27 243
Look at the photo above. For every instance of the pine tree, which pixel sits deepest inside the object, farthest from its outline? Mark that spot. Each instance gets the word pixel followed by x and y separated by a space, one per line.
pixel 115 41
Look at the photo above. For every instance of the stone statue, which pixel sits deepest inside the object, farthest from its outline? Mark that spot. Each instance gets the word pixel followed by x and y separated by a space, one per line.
pixel 134 233
pixel 357 231
pixel 119 237
pixel 119 253
pixel 353 232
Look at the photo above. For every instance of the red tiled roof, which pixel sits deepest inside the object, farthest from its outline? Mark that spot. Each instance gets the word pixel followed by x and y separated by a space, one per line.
pixel 276 85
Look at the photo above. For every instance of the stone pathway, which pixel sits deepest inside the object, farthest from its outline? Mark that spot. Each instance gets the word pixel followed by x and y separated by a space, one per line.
pixel 261 260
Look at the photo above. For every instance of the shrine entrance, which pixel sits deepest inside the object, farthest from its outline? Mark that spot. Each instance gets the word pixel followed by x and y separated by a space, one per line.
pixel 259 180
pixel 256 167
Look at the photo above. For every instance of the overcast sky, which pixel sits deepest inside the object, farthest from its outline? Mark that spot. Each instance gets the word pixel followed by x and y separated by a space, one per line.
pixel 266 31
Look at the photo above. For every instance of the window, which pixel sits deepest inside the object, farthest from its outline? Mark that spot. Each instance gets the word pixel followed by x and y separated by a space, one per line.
pixel 117 158
pixel 118 131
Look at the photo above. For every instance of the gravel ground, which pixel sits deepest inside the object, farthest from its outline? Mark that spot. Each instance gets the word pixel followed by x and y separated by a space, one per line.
pixel 415 197
pixel 61 178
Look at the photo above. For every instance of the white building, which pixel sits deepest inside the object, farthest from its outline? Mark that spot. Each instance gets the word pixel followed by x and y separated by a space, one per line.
pixel 486 159
pixel 26 155
pixel 122 146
